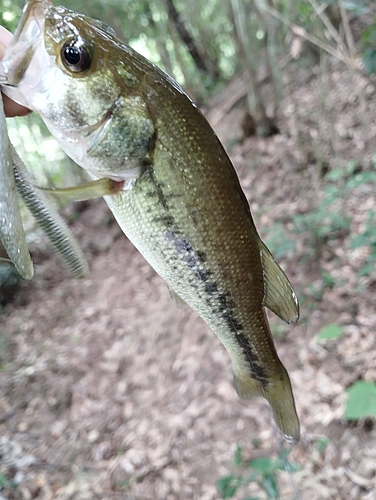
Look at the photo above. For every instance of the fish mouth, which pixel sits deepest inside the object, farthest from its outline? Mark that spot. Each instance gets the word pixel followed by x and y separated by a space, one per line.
pixel 28 37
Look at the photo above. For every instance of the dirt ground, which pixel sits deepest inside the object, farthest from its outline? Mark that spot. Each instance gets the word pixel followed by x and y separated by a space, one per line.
pixel 108 390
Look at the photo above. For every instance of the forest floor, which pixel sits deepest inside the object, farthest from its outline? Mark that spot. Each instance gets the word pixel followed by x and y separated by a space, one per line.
pixel 108 390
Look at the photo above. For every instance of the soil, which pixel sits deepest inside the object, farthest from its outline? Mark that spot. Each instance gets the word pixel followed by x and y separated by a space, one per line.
pixel 109 390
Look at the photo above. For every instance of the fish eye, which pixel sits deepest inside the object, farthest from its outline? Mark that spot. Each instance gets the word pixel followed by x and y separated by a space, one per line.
pixel 76 56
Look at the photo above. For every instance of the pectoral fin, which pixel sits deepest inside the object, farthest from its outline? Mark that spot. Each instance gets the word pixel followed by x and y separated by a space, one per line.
pixel 279 295
pixel 89 190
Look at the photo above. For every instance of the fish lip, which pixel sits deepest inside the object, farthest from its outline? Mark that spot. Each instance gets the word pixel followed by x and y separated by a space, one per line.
pixel 32 9
pixel 26 38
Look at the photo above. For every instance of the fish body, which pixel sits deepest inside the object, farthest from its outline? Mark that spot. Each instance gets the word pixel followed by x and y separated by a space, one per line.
pixel 120 117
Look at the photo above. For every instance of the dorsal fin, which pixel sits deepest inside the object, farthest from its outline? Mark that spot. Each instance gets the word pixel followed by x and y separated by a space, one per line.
pixel 279 295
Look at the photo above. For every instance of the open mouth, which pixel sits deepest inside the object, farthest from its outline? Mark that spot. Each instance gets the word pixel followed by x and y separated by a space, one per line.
pixel 21 66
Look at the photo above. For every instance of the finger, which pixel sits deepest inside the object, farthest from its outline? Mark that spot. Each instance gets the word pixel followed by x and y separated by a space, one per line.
pixel 11 108
pixel 5 38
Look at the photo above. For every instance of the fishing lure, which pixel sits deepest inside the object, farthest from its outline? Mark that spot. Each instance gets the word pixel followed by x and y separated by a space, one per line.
pixel 15 182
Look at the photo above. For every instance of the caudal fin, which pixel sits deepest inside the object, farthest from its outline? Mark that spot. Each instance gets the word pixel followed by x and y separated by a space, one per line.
pixel 278 393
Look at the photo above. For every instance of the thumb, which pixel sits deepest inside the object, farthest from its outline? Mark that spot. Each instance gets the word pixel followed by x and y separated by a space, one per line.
pixel 11 108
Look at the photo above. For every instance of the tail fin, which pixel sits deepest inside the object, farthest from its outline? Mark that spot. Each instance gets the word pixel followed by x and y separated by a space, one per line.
pixel 278 393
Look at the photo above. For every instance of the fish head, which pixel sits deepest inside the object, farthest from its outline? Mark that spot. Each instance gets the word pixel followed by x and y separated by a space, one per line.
pixel 73 71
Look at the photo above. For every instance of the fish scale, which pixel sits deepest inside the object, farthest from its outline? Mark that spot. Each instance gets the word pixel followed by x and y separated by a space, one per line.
pixel 230 265
pixel 179 199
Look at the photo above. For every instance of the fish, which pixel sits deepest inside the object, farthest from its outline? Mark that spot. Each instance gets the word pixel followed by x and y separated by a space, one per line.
pixel 175 193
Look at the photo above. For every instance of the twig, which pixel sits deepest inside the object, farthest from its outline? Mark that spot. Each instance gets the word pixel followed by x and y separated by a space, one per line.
pixel 129 496
pixel 353 66
pixel 301 32
pixel 348 34
pixel 329 25
pixel 10 412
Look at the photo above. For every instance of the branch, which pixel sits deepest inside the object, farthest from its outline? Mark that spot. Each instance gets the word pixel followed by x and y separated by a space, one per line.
pixel 301 32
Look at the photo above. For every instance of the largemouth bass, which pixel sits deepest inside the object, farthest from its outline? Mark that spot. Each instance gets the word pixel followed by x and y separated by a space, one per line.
pixel 179 199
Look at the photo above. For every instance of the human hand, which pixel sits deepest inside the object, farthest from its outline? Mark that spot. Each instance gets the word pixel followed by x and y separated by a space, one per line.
pixel 11 108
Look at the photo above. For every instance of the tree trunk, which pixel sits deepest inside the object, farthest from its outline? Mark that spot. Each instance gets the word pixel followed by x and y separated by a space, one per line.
pixel 187 38
pixel 270 46
pixel 265 125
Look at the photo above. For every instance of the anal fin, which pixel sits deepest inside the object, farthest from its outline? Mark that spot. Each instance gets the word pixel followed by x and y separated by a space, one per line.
pixel 176 298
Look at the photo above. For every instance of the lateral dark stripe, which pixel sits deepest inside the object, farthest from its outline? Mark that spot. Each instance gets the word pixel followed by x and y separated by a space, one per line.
pixel 256 369
pixel 195 260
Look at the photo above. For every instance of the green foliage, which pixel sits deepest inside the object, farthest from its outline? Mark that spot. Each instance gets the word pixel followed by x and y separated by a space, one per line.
pixel 10 12
pixel 5 355
pixel 6 483
pixel 369 47
pixel 325 226
pixel 356 7
pixel 229 485
pixel 328 279
pixel 361 400
pixel 321 444
pixel 360 179
pixel 279 241
pixel 262 470
pixel 124 485
pixel 369 59
pixel 367 238
pixel 330 332
pixel 328 219
pixel 9 282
